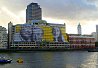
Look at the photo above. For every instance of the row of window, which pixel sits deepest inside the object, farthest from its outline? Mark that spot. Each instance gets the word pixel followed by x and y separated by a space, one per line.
pixel 41 46
pixel 40 42
pixel 82 40
pixel 76 42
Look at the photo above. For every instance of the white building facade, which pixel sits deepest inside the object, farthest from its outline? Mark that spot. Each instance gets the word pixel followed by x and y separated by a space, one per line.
pixel 79 29
pixel 3 38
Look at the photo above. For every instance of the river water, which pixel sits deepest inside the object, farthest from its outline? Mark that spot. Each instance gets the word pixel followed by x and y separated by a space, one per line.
pixel 46 59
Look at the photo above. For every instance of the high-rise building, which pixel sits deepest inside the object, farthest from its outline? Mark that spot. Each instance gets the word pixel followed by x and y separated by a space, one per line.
pixel 9 33
pixel 79 29
pixel 33 12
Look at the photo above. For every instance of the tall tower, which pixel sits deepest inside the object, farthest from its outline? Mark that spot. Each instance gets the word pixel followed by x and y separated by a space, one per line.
pixel 33 12
pixel 79 29
pixel 96 33
pixel 9 33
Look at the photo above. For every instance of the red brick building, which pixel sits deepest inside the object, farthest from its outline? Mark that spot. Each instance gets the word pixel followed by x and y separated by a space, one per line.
pixel 81 41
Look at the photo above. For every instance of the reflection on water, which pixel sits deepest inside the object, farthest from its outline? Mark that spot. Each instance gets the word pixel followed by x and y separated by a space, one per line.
pixel 91 61
pixel 36 59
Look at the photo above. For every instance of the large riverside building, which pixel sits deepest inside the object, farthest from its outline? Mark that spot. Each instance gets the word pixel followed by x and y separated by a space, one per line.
pixel 3 38
pixel 37 34
pixel 78 41
pixel 33 12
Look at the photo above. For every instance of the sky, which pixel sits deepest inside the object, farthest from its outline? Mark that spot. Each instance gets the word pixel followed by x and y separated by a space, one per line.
pixel 70 12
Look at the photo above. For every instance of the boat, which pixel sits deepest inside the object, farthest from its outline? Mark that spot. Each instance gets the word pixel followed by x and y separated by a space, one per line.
pixel 4 60
pixel 93 50
pixel 19 60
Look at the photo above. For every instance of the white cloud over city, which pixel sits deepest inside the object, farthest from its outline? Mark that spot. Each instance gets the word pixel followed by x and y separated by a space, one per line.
pixel 70 12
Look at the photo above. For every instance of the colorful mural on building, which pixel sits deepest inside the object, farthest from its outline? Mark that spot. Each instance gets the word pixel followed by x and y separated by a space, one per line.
pixel 38 33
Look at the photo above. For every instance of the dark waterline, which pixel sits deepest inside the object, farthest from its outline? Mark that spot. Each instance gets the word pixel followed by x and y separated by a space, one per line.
pixel 47 59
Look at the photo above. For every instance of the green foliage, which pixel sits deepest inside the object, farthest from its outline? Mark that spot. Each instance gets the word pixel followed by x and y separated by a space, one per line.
pixel 96 44
pixel 43 43
pixel 42 22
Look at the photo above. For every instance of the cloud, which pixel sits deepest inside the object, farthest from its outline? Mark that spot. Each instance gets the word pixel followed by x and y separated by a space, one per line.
pixel 7 16
pixel 8 12
pixel 92 0
pixel 64 9
pixel 13 5
pixel 70 11
pixel 0 12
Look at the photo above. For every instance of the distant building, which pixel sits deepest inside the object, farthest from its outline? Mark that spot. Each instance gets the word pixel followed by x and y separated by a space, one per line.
pixel 33 12
pixel 96 33
pixel 78 41
pixel 3 38
pixel 79 29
